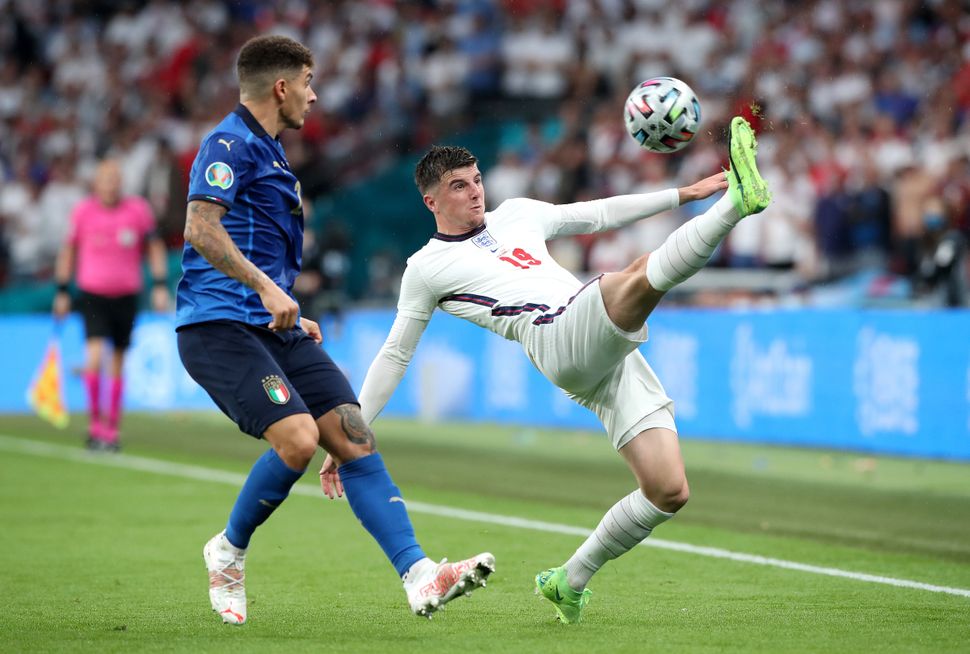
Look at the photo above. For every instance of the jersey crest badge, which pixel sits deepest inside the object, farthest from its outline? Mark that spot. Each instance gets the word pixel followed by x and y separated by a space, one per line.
pixel 219 174
pixel 485 240
pixel 276 390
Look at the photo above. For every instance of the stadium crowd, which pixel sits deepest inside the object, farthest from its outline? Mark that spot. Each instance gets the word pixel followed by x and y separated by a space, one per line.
pixel 862 109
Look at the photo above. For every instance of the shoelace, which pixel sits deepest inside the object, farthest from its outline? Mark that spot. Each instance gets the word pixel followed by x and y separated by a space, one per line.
pixel 230 580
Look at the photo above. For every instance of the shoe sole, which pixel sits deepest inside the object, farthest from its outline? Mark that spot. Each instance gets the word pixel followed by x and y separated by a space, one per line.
pixel 212 602
pixel 468 581
pixel 742 158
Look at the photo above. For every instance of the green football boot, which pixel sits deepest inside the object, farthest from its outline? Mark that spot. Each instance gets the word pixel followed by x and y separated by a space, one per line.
pixel 569 603
pixel 747 189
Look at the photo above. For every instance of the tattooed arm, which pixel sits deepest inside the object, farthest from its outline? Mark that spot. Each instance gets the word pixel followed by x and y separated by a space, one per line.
pixel 204 231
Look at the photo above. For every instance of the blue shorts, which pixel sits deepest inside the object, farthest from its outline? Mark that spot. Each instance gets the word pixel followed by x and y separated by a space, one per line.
pixel 258 377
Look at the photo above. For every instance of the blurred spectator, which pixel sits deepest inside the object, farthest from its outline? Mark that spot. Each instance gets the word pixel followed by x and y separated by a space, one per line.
pixel 166 189
pixel 24 229
pixel 911 192
pixel 786 224
pixel 536 56
pixel 321 286
pixel 384 269
pixel 870 218
pixel 832 235
pixel 508 178
pixel 60 195
pixel 942 270
pixel 445 73
pixel 876 94
pixel 481 47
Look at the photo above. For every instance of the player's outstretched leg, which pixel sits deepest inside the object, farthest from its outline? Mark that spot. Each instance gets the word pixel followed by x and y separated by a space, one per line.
pixel 227 576
pixel 569 603
pixel 747 189
pixel 690 247
pixel 431 585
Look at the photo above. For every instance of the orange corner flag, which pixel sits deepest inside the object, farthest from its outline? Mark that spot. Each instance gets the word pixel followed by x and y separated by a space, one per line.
pixel 46 393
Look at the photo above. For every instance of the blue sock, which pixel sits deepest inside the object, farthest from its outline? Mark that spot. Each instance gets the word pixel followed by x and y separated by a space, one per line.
pixel 268 484
pixel 377 503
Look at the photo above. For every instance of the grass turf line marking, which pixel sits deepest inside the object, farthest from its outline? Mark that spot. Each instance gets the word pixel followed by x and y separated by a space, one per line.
pixel 200 473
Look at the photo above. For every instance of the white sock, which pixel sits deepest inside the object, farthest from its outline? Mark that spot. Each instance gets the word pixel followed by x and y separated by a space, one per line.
pixel 689 248
pixel 622 528
pixel 415 571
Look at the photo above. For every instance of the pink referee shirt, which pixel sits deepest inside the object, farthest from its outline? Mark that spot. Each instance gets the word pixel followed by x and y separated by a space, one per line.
pixel 109 242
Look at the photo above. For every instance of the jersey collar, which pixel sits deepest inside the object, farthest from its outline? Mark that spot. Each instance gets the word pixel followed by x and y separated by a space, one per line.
pixel 459 237
pixel 250 120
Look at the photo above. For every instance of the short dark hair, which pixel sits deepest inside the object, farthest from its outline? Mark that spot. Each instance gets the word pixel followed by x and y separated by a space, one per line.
pixel 438 161
pixel 264 59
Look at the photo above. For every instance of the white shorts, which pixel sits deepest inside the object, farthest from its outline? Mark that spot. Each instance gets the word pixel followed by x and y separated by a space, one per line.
pixel 598 365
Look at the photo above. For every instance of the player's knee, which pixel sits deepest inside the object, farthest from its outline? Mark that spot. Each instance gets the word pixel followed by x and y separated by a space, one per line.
pixel 670 496
pixel 297 450
pixel 678 499
pixel 639 266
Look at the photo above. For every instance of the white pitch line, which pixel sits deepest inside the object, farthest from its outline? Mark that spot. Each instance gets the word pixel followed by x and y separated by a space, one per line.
pixel 200 473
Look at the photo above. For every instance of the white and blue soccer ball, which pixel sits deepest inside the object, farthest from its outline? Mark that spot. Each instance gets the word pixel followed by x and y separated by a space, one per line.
pixel 662 114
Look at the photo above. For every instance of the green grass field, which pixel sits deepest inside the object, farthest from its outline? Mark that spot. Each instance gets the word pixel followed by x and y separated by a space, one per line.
pixel 103 553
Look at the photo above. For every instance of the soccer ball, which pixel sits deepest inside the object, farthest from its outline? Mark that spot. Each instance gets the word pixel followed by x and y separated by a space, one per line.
pixel 662 114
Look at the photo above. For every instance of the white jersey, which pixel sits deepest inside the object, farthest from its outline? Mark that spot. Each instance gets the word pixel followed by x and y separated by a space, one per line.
pixel 499 276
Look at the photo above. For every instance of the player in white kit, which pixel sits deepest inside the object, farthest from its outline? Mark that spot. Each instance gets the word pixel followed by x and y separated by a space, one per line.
pixel 494 270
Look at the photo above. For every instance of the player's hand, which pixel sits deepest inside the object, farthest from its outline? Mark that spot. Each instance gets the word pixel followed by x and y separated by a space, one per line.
pixel 704 188
pixel 312 329
pixel 281 306
pixel 160 299
pixel 62 304
pixel 330 479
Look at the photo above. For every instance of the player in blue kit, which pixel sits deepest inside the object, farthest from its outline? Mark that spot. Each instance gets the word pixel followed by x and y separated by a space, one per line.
pixel 242 338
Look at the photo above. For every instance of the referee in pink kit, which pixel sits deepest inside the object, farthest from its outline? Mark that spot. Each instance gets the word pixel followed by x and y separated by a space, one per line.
pixel 109 234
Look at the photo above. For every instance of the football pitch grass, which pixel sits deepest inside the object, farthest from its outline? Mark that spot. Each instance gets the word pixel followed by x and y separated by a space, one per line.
pixel 103 552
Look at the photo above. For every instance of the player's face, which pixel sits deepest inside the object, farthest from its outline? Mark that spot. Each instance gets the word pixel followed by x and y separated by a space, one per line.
pixel 459 198
pixel 107 183
pixel 299 97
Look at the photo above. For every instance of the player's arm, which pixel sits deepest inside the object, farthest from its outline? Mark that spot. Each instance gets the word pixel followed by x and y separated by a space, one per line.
pixel 158 266
pixel 388 367
pixel 204 232
pixel 621 210
pixel 385 373
pixel 63 269
pixel 415 306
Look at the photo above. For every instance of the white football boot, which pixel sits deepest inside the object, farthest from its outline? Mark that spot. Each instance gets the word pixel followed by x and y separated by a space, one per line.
pixel 431 585
pixel 227 591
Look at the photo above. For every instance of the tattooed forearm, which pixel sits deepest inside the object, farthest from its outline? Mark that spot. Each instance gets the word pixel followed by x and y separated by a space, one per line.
pixel 204 231
pixel 354 426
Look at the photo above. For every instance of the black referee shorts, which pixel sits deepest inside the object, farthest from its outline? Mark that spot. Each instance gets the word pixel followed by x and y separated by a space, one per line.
pixel 258 376
pixel 112 318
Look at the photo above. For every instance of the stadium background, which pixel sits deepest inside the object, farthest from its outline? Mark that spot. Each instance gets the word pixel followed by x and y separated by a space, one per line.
pixel 833 320
pixel 861 110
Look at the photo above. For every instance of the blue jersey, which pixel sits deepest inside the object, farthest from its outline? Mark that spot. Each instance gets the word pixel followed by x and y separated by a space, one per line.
pixel 244 169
